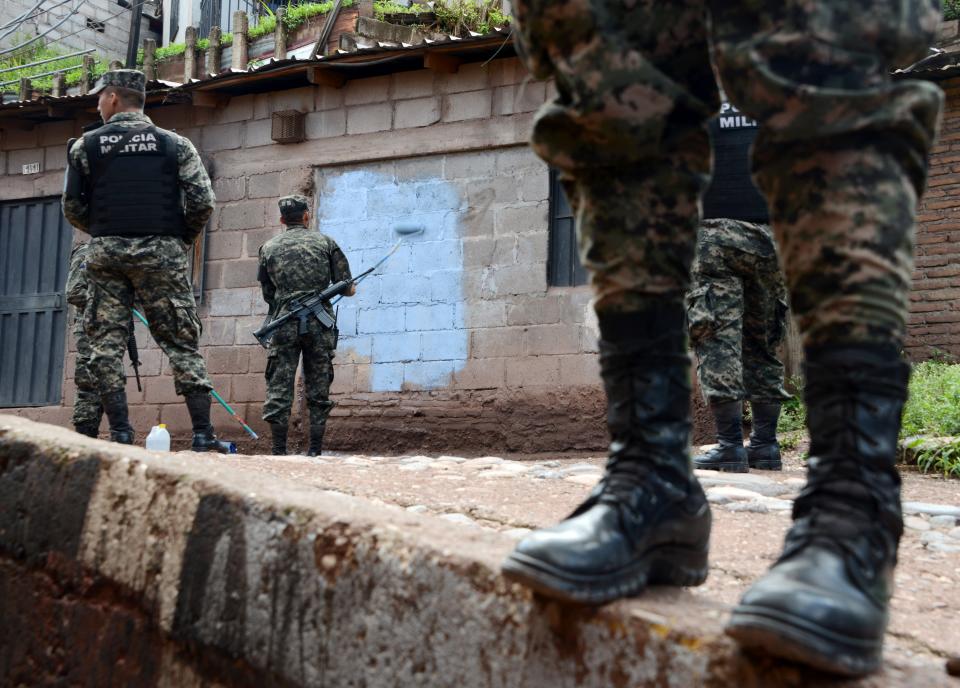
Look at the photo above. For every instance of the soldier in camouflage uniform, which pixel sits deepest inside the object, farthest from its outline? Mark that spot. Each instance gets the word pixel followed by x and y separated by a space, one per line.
pixel 737 307
pixel 87 409
pixel 841 158
pixel 143 195
pixel 296 263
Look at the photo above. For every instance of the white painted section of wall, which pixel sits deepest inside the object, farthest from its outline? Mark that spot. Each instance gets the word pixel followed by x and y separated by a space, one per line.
pixel 407 319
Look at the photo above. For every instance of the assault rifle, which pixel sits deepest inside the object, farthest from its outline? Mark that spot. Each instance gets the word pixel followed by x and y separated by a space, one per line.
pixel 302 307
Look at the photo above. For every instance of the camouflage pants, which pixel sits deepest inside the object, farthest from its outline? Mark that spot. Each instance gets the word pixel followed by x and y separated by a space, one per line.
pixel 87 409
pixel 840 153
pixel 153 272
pixel 317 347
pixel 737 314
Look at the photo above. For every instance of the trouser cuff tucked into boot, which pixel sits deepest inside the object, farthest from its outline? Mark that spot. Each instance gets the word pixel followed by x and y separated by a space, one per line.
pixel 647 521
pixel 729 454
pixel 278 433
pixel 824 602
pixel 317 431
pixel 763 452
pixel 204 439
pixel 115 406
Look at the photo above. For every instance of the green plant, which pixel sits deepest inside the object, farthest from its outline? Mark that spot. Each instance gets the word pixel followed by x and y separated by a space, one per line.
pixel 943 459
pixel 793 414
pixel 933 408
pixel 790 440
pixel 456 17
pixel 951 9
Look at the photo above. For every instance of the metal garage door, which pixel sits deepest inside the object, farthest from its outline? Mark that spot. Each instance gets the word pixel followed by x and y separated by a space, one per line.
pixel 35 242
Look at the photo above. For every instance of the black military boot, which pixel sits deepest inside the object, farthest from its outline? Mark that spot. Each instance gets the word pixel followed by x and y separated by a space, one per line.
pixel 115 406
pixel 824 602
pixel 278 432
pixel 204 439
pixel 729 454
pixel 647 521
pixel 763 452
pixel 317 431
pixel 90 430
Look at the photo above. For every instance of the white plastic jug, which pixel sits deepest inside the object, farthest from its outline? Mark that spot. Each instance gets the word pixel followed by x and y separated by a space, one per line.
pixel 159 438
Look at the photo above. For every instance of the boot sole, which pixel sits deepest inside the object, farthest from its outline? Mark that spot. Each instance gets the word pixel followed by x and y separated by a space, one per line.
pixel 797 639
pixel 677 566
pixel 724 467
pixel 767 465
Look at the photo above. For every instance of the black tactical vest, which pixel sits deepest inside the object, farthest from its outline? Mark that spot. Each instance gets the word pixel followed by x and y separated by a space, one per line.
pixel 731 193
pixel 134 191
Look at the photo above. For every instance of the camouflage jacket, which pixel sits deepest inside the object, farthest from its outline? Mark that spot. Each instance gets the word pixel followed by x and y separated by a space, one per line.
pixel 77 277
pixel 198 198
pixel 297 262
pixel 749 237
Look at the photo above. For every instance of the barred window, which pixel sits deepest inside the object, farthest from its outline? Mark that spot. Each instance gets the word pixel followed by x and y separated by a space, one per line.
pixel 563 265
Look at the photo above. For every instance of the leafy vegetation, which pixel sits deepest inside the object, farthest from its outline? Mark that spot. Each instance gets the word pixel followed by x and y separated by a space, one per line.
pixel 793 414
pixel 36 52
pixel 951 9
pixel 457 17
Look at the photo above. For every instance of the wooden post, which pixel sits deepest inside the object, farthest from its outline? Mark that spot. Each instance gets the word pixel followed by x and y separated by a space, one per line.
pixel 214 52
pixel 280 36
pixel 86 81
pixel 150 59
pixel 190 55
pixel 241 51
pixel 115 64
pixel 26 90
pixel 59 85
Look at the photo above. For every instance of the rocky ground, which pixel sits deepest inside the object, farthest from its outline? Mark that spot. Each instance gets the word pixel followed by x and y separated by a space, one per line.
pixel 751 514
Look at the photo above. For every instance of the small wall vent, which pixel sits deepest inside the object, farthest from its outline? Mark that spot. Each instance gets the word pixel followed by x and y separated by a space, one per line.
pixel 288 126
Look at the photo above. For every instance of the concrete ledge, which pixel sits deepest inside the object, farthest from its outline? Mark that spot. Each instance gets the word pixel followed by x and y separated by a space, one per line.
pixel 119 566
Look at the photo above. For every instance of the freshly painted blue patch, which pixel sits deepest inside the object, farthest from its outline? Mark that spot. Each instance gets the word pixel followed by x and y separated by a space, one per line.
pixel 412 308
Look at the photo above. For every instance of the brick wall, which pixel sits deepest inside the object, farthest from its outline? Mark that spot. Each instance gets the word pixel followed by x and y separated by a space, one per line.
pixel 74 35
pixel 935 300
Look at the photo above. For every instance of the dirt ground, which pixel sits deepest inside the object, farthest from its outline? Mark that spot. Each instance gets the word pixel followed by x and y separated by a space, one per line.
pixel 517 492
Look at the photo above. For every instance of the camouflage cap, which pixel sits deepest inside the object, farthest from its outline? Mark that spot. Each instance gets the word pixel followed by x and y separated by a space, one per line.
pixel 294 205
pixel 133 79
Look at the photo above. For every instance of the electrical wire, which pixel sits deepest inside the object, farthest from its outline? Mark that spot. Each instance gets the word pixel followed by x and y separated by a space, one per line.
pixel 23 17
pixel 20 21
pixel 53 28
pixel 104 21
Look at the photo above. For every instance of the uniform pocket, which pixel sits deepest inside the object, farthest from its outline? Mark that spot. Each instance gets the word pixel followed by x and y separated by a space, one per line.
pixel 701 320
pixel 778 328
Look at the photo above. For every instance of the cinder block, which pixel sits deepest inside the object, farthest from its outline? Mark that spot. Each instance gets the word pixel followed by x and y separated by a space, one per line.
pixel 239 109
pixel 516 279
pixel 534 185
pixel 258 133
pixel 264 185
pixel 301 99
pixel 470 77
pixel 248 387
pixel 469 165
pixel 580 370
pixel 481 314
pixel 487 373
pixel 445 286
pixel 246 326
pixel 231 302
pixel 254 239
pixel 409 287
pixel 17 139
pixel 258 358
pixel 543 310
pixel 552 339
pixel 55 133
pixel 55 157
pixel 366 119
pixel 379 320
pixel 413 169
pixel 506 71
pixel 517 161
pixel 242 215
pixel 364 91
pixel 427 374
pixel 444 345
pixel 589 336
pixel 347 320
pixel 328 98
pixel 344 377
pixel 160 391
pixel 429 256
pixel 420 112
pixel 322 125
pixel 533 371
pixel 385 377
pixel 532 247
pixel 224 245
pixel 524 97
pixel 430 317
pixel 355 349
pixel 222 136
pixel 416 84
pixel 463 106
pixel 16 159
pixel 404 346
pixel 241 273
pixel 229 188
pixel 521 219
pixel 496 342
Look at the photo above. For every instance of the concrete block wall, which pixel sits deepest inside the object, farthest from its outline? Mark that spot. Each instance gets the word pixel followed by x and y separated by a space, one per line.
pixel 74 34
